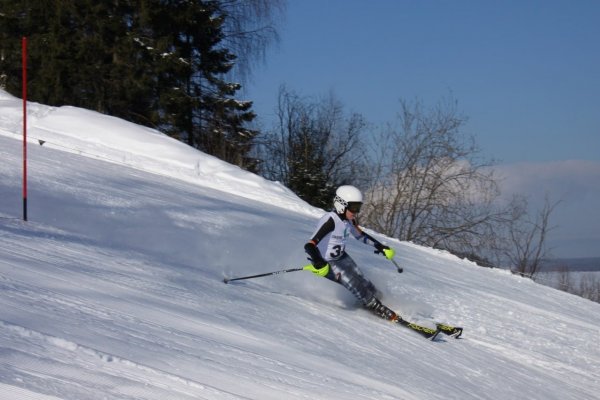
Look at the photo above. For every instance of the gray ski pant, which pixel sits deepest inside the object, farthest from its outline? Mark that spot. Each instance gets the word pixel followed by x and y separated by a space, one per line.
pixel 347 273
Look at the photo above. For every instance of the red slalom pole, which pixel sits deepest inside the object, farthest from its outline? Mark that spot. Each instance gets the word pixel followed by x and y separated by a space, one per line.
pixel 24 49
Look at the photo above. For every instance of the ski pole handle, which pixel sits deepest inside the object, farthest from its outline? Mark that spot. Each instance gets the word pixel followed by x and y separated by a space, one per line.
pixel 227 280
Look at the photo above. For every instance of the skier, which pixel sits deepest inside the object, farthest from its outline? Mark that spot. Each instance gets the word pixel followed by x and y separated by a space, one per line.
pixel 327 250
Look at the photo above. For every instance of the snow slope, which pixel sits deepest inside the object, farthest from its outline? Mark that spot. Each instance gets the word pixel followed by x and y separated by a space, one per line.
pixel 113 289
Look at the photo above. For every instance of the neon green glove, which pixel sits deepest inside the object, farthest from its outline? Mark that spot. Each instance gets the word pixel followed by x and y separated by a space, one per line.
pixel 322 272
pixel 389 253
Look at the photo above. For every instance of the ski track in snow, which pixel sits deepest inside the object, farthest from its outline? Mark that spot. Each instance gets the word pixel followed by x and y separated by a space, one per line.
pixel 97 283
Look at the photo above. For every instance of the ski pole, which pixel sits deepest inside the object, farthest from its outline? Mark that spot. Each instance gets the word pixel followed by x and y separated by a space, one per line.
pixel 400 269
pixel 227 280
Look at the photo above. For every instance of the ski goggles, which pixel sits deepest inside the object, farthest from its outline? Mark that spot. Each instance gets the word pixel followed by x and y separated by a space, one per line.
pixel 354 207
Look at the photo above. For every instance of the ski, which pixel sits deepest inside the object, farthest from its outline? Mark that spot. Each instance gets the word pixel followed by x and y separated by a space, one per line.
pixel 454 331
pixel 384 312
pixel 429 333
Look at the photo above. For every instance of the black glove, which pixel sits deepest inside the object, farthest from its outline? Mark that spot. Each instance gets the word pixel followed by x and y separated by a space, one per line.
pixel 314 255
pixel 319 263
pixel 380 248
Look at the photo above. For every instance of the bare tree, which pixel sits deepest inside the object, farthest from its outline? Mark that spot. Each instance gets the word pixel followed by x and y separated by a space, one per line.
pixel 314 147
pixel 527 239
pixel 589 287
pixel 250 27
pixel 428 186
pixel 564 282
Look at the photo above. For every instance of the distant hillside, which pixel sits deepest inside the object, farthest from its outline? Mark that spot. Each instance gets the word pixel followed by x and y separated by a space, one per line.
pixel 572 264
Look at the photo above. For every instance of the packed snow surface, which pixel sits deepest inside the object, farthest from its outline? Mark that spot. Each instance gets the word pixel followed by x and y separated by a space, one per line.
pixel 113 288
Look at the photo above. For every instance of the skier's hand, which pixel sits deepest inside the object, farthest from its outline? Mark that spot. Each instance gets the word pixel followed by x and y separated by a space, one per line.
pixel 387 251
pixel 322 272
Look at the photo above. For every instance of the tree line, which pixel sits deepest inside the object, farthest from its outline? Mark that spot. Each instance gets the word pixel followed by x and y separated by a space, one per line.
pixel 424 180
pixel 163 64
pixel 170 65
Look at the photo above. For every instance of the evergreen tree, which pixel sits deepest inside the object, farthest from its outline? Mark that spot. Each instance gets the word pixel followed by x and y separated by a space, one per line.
pixel 160 64
pixel 307 164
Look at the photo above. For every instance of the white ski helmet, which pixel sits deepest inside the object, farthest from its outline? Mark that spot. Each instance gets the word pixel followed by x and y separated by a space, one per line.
pixel 345 195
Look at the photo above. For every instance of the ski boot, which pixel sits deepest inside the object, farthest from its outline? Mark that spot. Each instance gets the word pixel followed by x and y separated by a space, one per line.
pixel 382 311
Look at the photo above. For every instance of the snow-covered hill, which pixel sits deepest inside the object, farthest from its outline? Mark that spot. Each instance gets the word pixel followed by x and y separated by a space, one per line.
pixel 114 288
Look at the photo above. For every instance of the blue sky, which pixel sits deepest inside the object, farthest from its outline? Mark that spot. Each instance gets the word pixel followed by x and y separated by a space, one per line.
pixel 525 73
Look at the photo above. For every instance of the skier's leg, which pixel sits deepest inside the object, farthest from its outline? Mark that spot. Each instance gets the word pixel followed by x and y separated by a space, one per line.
pixel 349 275
pixel 370 286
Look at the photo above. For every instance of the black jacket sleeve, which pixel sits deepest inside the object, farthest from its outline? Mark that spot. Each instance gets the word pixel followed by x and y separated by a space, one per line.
pixel 311 247
pixel 314 255
pixel 366 238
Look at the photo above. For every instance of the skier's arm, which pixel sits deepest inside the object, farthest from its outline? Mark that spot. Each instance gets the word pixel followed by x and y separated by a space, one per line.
pixel 363 236
pixel 314 254
pixel 311 246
